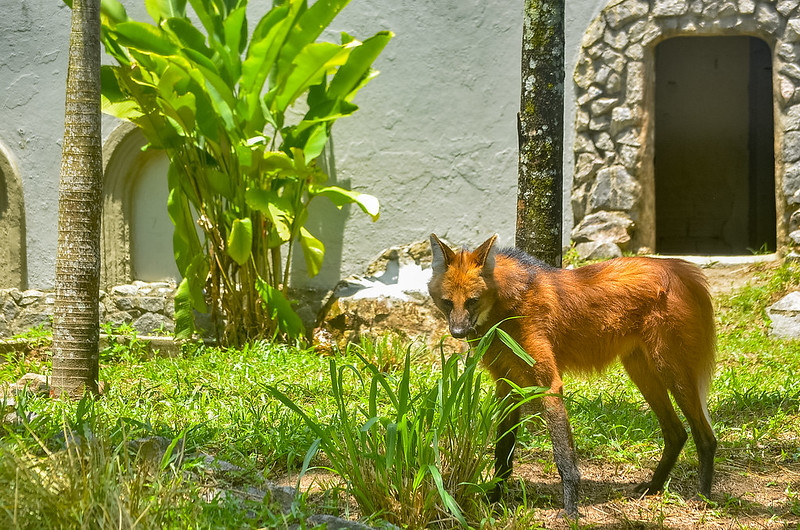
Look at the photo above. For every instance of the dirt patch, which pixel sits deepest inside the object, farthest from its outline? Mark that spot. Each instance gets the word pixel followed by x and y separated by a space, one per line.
pixel 741 498
pixel 722 280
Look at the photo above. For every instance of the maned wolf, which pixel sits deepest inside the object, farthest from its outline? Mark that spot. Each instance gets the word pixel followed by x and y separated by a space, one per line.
pixel 655 315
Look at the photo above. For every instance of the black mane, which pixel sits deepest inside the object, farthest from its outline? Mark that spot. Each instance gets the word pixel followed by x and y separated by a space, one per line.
pixel 524 258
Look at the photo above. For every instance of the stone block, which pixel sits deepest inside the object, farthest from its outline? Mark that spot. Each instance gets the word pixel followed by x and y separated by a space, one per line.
pixel 791 180
pixel 30 297
pixel 598 250
pixel 747 7
pixel 29 318
pixel 786 7
pixel 624 12
pixel 586 166
pixel 600 124
pixel 614 227
pixel 785 316
pixel 578 200
pixel 767 17
pixel 150 323
pixel 117 318
pixel 124 290
pixel 602 106
pixel 794 220
pixel 790 151
pixel 603 142
pixel 670 8
pixel 614 189
pixel 149 304
pixel 123 303
pixel 593 33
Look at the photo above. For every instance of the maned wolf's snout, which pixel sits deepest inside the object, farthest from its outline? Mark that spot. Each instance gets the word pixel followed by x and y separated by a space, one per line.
pixel 460 324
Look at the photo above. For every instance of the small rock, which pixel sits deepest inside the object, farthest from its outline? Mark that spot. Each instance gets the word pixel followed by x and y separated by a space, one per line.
pixel 150 323
pixel 283 496
pixel 614 227
pixel 335 523
pixel 34 383
pixel 31 296
pixel 220 465
pixel 785 316
pixel 149 304
pixel 393 299
pixel 124 303
pixel 125 290
pixel 598 250
pixel 151 451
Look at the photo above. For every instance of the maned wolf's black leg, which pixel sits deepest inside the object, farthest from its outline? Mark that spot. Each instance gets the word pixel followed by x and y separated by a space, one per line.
pixel 687 396
pixel 506 440
pixel 563 450
pixel 655 393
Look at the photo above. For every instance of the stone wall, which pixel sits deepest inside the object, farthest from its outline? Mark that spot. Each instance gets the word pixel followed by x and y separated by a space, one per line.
pixel 147 307
pixel 613 198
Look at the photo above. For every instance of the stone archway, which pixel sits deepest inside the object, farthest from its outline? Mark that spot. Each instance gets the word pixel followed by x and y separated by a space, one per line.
pixel 613 189
pixel 13 258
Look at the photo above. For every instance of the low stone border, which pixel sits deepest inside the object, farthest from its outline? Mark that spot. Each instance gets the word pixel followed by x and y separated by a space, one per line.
pixel 147 307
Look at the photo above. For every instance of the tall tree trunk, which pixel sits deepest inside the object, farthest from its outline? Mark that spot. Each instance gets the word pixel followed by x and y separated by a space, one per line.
pixel 541 131
pixel 76 327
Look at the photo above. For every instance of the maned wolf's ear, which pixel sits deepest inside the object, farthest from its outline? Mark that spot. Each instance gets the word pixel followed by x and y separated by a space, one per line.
pixel 442 255
pixel 485 253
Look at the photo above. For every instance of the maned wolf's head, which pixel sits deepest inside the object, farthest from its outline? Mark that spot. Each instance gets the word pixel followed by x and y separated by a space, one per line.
pixel 462 285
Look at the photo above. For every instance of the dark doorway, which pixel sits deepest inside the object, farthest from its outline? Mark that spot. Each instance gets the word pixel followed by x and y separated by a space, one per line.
pixel 714 154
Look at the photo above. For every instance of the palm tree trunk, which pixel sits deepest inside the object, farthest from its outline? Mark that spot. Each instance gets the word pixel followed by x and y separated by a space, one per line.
pixel 541 131
pixel 76 328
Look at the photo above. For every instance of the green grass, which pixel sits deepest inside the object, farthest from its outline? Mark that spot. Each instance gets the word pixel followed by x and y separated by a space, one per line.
pixel 223 403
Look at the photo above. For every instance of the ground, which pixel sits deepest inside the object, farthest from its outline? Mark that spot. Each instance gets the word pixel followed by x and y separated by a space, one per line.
pixel 744 495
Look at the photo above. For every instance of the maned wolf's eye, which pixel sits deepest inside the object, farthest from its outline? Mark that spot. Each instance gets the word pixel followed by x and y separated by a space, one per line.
pixel 472 303
pixel 447 304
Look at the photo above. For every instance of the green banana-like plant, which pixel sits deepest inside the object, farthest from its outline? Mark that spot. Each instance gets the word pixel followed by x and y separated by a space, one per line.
pixel 216 99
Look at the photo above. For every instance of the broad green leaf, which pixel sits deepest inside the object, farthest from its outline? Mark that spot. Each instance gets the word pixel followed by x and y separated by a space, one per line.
pixel 235 26
pixel 240 240
pixel 311 65
pixel 261 55
pixel 220 183
pixel 340 197
pixel 144 37
pixel 186 244
pixel 306 30
pixel 211 21
pixel 112 9
pixel 313 252
pixel 190 297
pixel 161 9
pixel 197 273
pixel 278 160
pixel 278 209
pixel 315 143
pixel 350 76
pixel 280 309
pixel 180 102
pixel 188 35
pixel 114 101
pixel 184 312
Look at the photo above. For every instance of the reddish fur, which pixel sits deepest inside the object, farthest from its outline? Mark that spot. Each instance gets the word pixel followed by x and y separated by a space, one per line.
pixel 654 314
pixel 582 320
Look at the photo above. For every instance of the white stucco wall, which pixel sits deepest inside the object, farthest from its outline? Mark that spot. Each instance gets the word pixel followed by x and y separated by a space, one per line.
pixel 435 139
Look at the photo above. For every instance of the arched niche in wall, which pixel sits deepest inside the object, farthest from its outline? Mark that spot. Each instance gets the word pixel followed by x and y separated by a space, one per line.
pixel 13 259
pixel 136 240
